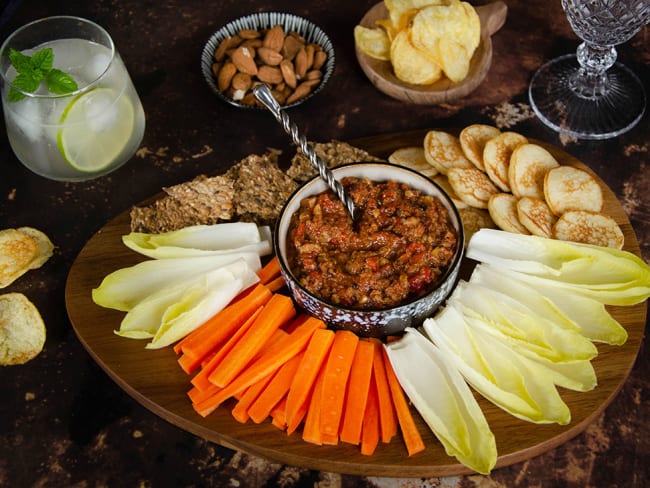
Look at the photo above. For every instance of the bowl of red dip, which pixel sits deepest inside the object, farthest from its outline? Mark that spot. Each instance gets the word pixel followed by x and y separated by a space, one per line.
pixel 389 269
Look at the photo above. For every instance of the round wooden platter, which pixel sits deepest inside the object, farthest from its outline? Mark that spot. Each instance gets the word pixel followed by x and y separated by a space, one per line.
pixel 381 74
pixel 154 378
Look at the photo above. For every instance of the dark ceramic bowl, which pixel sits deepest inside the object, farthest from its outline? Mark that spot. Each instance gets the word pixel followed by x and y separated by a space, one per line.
pixel 264 20
pixel 379 322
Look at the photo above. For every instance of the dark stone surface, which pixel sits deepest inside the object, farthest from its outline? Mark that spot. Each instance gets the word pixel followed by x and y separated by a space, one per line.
pixel 63 422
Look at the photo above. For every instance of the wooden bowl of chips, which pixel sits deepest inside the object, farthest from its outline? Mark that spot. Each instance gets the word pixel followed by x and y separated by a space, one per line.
pixel 381 73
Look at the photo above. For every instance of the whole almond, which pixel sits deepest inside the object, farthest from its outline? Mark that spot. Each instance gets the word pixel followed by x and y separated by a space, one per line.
pixel 301 91
pixel 320 57
pixel 269 56
pixel 313 74
pixel 225 45
pixel 249 34
pixel 300 63
pixel 216 67
pixel 288 73
pixel 243 59
pixel 225 76
pixel 252 43
pixel 241 81
pixel 274 38
pixel 291 47
pixel 269 74
pixel 309 50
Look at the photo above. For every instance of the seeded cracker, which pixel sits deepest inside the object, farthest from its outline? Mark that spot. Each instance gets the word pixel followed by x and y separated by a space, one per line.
pixel 260 187
pixel 203 200
pixel 334 153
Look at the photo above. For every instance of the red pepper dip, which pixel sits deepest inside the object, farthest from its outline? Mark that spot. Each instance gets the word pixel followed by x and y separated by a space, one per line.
pixel 401 244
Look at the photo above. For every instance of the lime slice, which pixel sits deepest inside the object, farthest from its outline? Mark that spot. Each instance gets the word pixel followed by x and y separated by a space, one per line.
pixel 97 126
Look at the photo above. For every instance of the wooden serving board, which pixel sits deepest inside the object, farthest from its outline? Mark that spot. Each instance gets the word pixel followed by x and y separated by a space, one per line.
pixel 154 379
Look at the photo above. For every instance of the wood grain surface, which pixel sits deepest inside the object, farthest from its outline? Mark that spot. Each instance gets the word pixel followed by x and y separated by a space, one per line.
pixel 154 379
pixel 381 74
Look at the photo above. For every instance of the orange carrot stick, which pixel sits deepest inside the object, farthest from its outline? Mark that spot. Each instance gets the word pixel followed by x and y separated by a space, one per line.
pixel 410 433
pixel 269 271
pixel 276 284
pixel 270 359
pixel 370 428
pixel 303 383
pixel 201 379
pixel 278 310
pixel 337 372
pixel 240 410
pixel 357 394
pixel 222 325
pixel 278 414
pixel 274 391
pixel 387 416
pixel 311 430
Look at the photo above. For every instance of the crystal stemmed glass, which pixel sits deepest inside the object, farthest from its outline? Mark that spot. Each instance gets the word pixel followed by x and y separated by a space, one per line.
pixel 589 95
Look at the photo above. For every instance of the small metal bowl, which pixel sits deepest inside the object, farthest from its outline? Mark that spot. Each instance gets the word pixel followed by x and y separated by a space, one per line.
pixel 265 20
pixel 379 322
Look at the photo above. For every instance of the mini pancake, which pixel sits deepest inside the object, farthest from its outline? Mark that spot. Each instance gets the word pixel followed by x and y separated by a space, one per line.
pixel 472 186
pixel 568 188
pixel 529 164
pixel 536 216
pixel 442 151
pixel 503 210
pixel 473 220
pixel 589 228
pixel 496 157
pixel 473 139
pixel 443 182
pixel 412 157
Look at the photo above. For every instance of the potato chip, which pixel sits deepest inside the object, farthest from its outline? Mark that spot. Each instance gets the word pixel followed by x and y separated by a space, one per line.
pixel 373 42
pixel 411 64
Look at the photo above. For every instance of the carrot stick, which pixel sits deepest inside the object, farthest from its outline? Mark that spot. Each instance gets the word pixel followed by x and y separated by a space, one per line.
pixel 278 310
pixel 274 391
pixel 223 324
pixel 271 359
pixel 240 410
pixel 276 284
pixel 410 433
pixel 269 271
pixel 303 382
pixel 311 430
pixel 278 414
pixel 387 417
pixel 337 371
pixel 201 379
pixel 370 428
pixel 357 394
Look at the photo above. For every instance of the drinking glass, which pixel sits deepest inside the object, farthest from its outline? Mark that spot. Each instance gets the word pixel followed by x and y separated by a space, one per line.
pixel 83 134
pixel 589 95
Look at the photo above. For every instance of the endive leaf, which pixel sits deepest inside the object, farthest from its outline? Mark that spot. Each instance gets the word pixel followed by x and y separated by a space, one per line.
pixel 588 314
pixel 520 326
pixel 612 276
pixel 201 240
pixel 126 287
pixel 444 401
pixel 498 381
pixel 157 310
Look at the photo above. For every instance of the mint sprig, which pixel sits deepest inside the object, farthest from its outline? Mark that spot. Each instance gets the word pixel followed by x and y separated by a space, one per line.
pixel 32 70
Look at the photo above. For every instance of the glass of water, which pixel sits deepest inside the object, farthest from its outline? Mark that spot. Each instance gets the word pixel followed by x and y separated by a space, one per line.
pixel 589 95
pixel 71 110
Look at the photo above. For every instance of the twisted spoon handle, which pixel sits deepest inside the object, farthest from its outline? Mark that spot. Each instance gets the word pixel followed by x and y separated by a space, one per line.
pixel 263 93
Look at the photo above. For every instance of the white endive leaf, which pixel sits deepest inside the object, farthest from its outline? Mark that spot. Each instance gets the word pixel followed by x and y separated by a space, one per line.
pixel 126 287
pixel 444 401
pixel 611 276
pixel 595 322
pixel 498 381
pixel 520 326
pixel 153 314
pixel 201 240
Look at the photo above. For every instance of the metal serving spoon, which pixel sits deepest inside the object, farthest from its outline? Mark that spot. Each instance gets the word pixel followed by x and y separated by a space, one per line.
pixel 263 93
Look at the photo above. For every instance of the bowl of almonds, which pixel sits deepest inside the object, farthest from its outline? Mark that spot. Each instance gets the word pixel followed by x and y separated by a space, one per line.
pixel 289 53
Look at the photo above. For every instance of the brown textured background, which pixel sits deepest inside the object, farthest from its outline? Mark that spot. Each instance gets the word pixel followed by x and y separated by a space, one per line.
pixel 64 423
